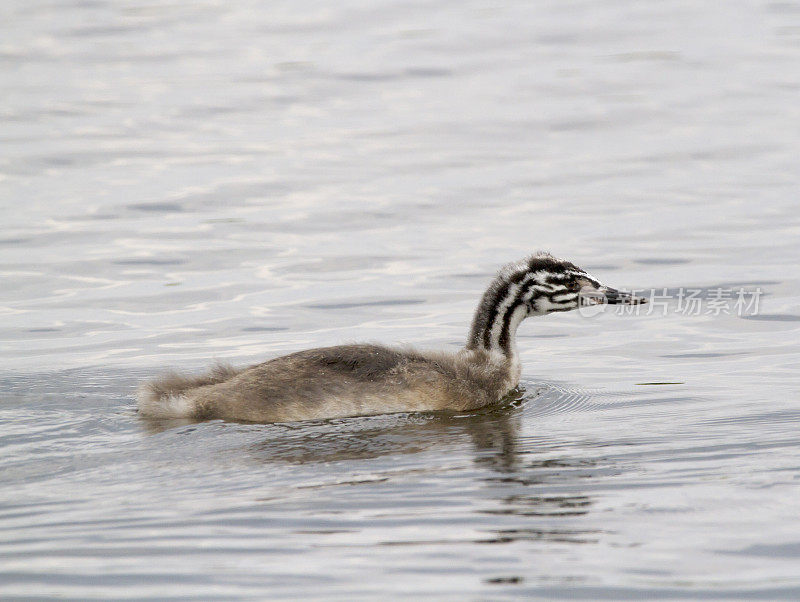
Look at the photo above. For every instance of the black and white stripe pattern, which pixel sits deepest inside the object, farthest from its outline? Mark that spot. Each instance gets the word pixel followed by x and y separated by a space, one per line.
pixel 539 284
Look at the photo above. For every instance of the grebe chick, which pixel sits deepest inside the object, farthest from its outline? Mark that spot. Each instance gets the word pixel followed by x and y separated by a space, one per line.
pixel 356 380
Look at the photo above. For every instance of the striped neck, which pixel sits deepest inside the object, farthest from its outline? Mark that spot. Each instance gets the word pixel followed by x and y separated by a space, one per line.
pixel 536 285
pixel 502 308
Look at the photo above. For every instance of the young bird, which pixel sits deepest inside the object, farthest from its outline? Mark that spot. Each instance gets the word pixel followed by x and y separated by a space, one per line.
pixel 364 379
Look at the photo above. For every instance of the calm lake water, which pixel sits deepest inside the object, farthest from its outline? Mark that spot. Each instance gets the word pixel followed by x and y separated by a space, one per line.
pixel 184 182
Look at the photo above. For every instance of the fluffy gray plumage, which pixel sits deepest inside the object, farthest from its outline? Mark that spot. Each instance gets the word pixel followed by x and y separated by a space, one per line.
pixel 353 380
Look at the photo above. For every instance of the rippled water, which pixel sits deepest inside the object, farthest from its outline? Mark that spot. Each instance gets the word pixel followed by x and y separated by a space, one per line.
pixel 185 182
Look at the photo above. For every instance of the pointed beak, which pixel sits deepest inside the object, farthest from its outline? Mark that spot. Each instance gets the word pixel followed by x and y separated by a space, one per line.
pixel 615 297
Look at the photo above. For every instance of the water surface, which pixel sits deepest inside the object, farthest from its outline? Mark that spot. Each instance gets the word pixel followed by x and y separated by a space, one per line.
pixel 181 184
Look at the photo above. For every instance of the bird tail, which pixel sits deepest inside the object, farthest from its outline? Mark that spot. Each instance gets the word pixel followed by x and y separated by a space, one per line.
pixel 169 396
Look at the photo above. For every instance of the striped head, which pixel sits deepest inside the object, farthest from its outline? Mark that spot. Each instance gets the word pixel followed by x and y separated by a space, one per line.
pixel 547 284
pixel 535 286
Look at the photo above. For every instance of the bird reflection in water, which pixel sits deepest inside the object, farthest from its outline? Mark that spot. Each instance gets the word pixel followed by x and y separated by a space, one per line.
pixel 531 488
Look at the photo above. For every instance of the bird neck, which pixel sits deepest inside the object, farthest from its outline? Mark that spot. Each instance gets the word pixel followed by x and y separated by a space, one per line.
pixel 494 327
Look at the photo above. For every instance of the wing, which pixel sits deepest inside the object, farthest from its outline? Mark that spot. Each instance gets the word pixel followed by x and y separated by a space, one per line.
pixel 359 362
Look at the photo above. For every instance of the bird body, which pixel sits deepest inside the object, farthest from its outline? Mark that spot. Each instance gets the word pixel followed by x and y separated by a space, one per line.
pixel 364 379
pixel 331 382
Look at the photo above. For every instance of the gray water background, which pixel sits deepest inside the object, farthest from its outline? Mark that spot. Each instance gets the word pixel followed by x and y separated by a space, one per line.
pixel 184 182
